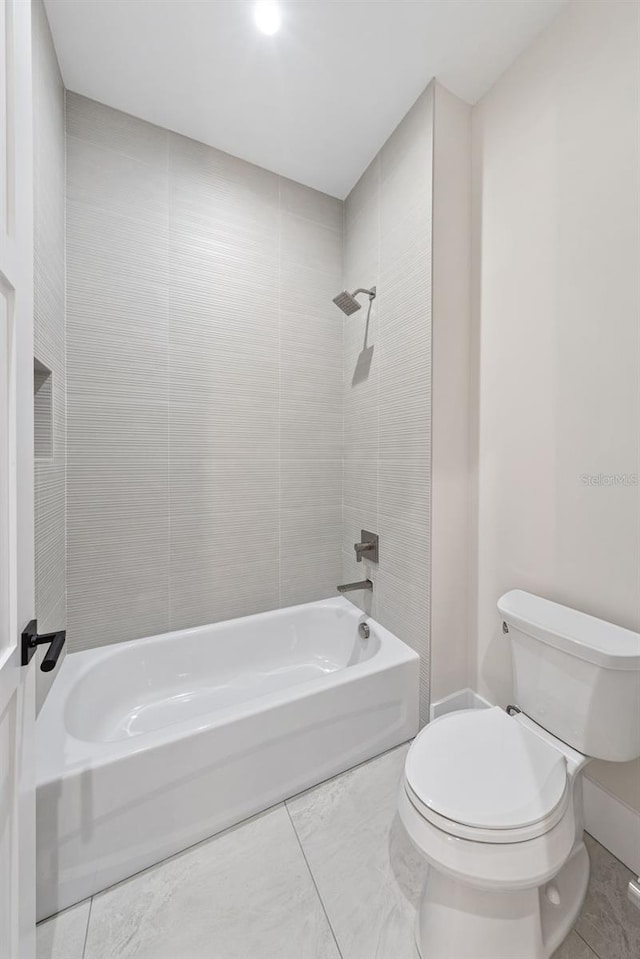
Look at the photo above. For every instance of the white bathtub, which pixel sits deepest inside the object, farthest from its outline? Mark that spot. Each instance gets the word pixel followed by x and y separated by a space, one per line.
pixel 146 747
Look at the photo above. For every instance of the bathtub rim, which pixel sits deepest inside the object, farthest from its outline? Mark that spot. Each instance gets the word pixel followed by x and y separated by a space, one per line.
pixel 52 733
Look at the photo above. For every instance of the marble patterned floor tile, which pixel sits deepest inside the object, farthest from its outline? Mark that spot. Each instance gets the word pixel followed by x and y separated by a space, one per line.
pixel 609 923
pixel 63 936
pixel 574 948
pixel 246 893
pixel 368 875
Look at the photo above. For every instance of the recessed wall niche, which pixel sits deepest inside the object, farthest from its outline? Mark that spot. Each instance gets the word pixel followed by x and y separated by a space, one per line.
pixel 43 410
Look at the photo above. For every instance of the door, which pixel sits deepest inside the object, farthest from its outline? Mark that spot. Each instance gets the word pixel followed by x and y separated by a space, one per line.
pixel 17 700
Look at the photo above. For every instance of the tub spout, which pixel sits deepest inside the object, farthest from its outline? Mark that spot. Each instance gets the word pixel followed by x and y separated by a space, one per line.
pixel 349 587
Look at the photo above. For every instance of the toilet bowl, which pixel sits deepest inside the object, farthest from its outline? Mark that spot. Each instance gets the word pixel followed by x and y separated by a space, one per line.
pixel 493 799
pixel 490 805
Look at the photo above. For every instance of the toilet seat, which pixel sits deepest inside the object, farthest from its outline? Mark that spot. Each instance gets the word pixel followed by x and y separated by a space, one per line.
pixel 489 865
pixel 482 776
pixel 475 834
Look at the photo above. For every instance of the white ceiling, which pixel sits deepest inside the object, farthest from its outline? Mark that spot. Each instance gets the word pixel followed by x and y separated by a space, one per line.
pixel 314 102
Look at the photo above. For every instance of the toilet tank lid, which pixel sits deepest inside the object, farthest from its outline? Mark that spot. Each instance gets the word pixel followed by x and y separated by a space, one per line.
pixel 576 633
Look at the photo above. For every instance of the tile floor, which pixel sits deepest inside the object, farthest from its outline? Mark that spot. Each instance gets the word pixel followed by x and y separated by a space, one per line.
pixel 327 874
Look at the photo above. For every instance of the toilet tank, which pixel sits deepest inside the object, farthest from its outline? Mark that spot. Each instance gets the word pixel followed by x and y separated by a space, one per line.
pixel 575 675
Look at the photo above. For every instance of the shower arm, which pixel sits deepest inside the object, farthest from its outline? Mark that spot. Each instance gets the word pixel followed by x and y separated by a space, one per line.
pixel 370 293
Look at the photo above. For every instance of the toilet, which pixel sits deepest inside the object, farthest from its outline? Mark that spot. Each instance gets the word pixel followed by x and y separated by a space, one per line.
pixel 493 799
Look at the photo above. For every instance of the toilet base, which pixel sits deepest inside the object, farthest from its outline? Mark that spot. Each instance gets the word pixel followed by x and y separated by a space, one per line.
pixel 458 921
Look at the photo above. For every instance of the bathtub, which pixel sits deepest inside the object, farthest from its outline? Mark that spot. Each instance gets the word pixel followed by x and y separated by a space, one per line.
pixel 149 746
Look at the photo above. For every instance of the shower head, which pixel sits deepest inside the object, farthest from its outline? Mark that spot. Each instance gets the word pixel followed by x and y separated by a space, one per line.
pixel 347 301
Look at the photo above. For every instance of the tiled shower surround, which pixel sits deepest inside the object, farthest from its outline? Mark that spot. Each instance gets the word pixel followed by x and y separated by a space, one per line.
pixel 216 396
pixel 204 383
pixel 387 381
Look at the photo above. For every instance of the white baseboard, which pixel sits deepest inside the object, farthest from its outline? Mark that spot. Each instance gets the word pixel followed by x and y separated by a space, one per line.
pixel 614 824
pixel 461 699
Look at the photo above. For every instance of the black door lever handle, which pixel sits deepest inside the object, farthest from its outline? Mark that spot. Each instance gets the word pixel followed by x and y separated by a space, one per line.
pixel 31 640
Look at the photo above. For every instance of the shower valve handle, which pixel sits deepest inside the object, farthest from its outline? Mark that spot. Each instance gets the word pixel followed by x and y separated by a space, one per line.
pixel 368 546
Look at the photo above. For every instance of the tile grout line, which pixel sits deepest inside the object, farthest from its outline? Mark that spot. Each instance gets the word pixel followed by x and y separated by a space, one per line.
pixel 313 878
pixel 86 932
pixel 588 945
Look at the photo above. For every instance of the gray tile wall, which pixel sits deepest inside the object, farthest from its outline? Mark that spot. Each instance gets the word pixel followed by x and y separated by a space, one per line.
pixel 204 369
pixel 42 412
pixel 387 381
pixel 49 332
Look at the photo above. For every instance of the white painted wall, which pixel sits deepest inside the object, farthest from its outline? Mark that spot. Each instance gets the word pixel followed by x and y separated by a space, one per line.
pixel 556 292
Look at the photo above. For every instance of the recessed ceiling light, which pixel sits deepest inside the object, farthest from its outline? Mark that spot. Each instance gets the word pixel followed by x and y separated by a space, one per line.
pixel 267 16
